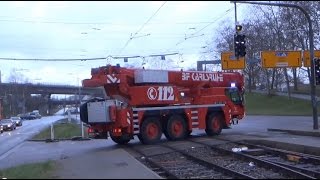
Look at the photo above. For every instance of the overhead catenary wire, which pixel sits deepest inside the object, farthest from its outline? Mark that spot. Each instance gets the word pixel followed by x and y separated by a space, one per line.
pixel 86 59
pixel 131 37
pixel 96 23
pixel 39 59
pixel 226 12
pixel 193 35
pixel 154 14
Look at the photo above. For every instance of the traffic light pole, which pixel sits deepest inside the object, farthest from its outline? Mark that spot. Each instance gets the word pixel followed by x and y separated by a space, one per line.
pixel 312 79
pixel 235 25
pixel 235 15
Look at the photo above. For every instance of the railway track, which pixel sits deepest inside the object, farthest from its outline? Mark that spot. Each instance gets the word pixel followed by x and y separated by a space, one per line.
pixel 172 163
pixel 147 161
pixel 196 159
pixel 305 163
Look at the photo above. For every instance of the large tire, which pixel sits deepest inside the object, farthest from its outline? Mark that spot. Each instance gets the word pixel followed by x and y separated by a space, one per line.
pixel 150 131
pixel 214 124
pixel 120 139
pixel 176 128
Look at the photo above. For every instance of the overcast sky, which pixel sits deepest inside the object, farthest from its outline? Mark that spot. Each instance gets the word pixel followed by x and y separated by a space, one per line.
pixel 72 30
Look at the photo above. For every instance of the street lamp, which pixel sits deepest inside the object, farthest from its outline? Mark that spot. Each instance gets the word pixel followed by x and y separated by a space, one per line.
pixel 79 93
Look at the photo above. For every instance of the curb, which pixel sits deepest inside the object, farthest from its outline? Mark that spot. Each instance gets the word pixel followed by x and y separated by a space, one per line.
pixel 62 139
pixel 297 132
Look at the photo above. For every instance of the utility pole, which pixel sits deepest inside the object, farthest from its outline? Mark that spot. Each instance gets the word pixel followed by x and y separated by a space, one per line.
pixel 312 79
pixel 235 15
pixel 235 25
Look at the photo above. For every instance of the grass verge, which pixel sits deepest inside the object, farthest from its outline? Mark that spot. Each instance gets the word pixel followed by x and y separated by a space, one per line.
pixel 261 104
pixel 43 170
pixel 62 130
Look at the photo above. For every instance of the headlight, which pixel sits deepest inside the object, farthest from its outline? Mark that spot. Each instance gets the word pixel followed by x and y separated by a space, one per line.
pixel 9 125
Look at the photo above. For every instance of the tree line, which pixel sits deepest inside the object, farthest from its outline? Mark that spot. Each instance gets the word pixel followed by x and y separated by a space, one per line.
pixel 272 28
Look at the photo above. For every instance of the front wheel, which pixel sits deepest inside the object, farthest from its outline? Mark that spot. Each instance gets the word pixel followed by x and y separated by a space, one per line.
pixel 150 131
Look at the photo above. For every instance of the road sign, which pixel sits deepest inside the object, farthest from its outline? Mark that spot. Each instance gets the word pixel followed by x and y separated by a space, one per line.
pixel 229 61
pixel 275 59
pixel 306 57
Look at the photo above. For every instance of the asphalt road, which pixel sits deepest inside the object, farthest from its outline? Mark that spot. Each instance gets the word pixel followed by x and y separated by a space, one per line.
pixel 250 127
pixel 12 139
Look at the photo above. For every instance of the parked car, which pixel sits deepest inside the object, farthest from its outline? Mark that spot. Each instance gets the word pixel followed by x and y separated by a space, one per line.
pixel 8 124
pixel 36 114
pixel 17 119
pixel 72 111
pixel 27 116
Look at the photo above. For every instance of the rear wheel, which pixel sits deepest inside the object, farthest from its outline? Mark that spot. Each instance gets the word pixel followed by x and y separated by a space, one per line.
pixel 176 128
pixel 124 139
pixel 150 131
pixel 214 124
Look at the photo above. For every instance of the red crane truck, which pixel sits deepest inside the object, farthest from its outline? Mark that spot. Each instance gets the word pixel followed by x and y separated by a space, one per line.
pixel 148 103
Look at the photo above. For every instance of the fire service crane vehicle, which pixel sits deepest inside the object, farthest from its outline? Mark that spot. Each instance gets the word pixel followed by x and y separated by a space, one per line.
pixel 148 103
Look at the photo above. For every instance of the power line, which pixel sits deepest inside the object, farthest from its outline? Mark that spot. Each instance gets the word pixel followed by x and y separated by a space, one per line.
pixel 188 38
pixel 226 12
pixel 36 59
pixel 142 27
pixel 53 22
pixel 86 59
pixel 97 23
pixel 150 18
pixel 193 34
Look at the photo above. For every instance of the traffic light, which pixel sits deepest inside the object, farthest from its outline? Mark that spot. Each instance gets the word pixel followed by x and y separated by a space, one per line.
pixel 239 45
pixel 238 28
pixel 317 70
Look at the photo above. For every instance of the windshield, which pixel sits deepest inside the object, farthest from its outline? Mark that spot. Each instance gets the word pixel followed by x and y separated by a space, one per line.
pixel 234 95
pixel 5 121
pixel 15 118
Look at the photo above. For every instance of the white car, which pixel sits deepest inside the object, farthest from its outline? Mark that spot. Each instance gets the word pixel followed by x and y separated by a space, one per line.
pixel 17 119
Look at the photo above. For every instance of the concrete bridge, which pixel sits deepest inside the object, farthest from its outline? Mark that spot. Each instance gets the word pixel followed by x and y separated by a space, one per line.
pixel 17 92
pixel 49 89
